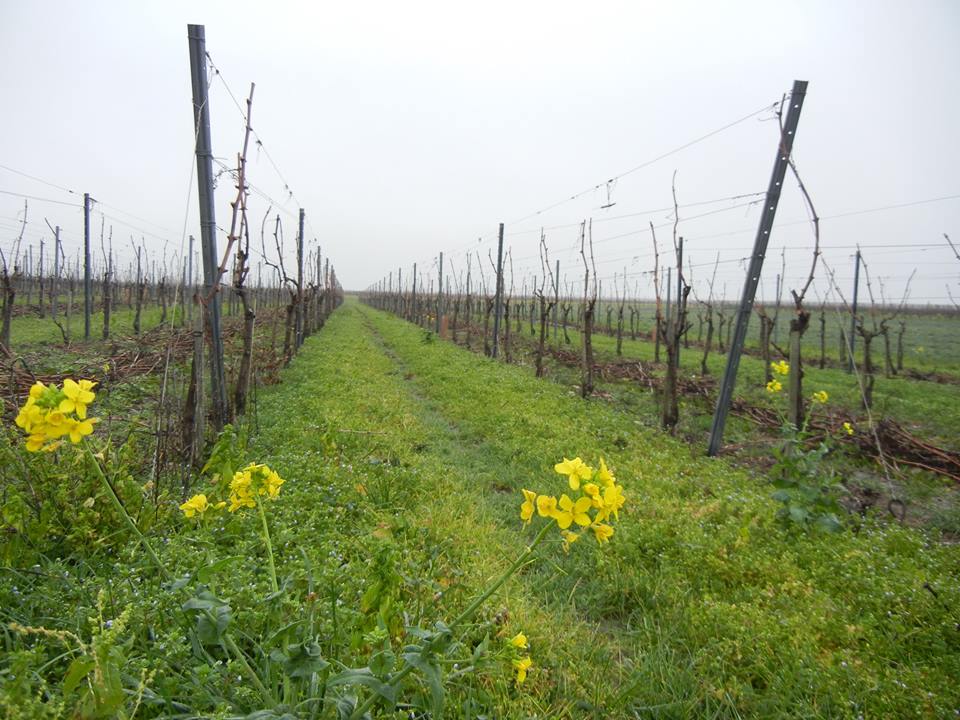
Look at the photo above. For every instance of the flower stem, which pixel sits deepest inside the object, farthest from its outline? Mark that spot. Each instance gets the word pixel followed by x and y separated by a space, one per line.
pixel 254 678
pixel 266 538
pixel 523 558
pixel 125 515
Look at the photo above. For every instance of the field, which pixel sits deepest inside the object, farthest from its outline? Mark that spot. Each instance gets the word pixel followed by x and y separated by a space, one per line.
pixel 404 457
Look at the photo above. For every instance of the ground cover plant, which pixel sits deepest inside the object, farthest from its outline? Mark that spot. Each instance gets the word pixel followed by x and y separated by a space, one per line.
pixel 913 416
pixel 405 462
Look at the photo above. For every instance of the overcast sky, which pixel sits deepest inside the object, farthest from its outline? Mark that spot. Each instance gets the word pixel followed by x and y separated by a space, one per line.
pixel 406 129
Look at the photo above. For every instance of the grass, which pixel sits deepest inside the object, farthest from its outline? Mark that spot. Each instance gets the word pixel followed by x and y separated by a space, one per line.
pixel 404 459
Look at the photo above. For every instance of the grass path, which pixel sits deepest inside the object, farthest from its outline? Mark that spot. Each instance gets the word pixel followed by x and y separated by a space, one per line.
pixel 702 605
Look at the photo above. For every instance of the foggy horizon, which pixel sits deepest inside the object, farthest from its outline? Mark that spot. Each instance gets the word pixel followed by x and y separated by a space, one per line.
pixel 406 132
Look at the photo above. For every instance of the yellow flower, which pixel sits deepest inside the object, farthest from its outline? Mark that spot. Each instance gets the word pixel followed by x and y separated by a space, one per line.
pixel 571 511
pixel 37 390
pixel 546 506
pixel 576 470
pixel 594 492
pixel 569 538
pixel 613 500
pixel 273 483
pixel 253 480
pixel 50 413
pixel 196 504
pixel 79 395
pixel 521 666
pixel 79 429
pixel 848 428
pixel 526 509
pixel 780 368
pixel 603 532
pixel 519 641
pixel 604 476
pixel 774 386
pixel 29 416
pixel 820 397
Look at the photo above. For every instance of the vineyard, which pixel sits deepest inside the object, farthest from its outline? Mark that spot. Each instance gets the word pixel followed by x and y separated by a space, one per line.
pixel 594 463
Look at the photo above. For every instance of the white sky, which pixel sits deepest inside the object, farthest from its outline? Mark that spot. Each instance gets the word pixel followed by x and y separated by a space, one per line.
pixel 406 129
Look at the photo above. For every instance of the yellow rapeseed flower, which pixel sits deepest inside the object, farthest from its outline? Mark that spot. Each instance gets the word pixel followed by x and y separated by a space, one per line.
pixel 780 368
pixel 571 512
pixel 519 641
pixel 569 538
pixel 79 429
pixel 196 505
pixel 820 397
pixel 848 428
pixel 546 505
pixel 527 508
pixel 593 491
pixel 602 532
pixel 79 395
pixel 604 476
pixel 521 666
pixel 576 470
pixel 613 500
pixel 774 386
pixel 253 481
pixel 50 413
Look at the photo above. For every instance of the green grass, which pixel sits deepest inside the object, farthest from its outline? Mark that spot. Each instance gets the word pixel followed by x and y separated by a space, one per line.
pixel 755 620
pixel 404 459
pixel 930 409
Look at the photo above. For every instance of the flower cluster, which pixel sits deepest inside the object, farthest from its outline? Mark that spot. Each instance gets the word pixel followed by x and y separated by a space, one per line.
pixel 255 480
pixel 51 413
pixel 781 367
pixel 604 498
pixel 848 428
pixel 774 386
pixel 820 397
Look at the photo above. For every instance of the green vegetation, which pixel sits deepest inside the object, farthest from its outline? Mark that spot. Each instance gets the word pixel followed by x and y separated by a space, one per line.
pixel 404 460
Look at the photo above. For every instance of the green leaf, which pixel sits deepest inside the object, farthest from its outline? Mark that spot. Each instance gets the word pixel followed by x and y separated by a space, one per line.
pixel 799 515
pixel 781 496
pixel 363 676
pixel 205 573
pixel 346 704
pixel 829 523
pixel 203 600
pixel 432 674
pixel 210 630
pixel 77 671
pixel 304 660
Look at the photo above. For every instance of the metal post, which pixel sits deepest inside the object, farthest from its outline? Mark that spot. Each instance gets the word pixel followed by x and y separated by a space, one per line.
pixel 784 147
pixel 87 287
pixel 676 355
pixel 439 296
pixel 413 296
pixel 189 282
pixel 669 290
pixel 853 312
pixel 299 316
pixel 56 271
pixel 499 296
pixel 208 224
pixel 556 301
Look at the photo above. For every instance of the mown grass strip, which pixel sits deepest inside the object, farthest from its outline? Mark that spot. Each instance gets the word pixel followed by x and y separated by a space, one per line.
pixel 749 617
